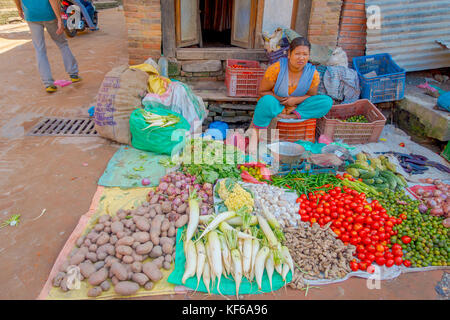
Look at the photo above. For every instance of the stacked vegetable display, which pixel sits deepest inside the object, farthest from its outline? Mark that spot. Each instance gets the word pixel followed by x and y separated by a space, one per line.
pixel 126 250
pixel 436 200
pixel 355 221
pixel 377 172
pixel 210 160
pixel 173 193
pixel 218 248
pixel 422 236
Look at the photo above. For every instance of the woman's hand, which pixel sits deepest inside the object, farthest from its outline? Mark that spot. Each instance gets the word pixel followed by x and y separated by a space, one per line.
pixel 290 102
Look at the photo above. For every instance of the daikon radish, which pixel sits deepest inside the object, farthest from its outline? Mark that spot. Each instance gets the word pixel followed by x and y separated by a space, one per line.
pixel 226 255
pixel 206 275
pixel 194 212
pixel 217 220
pixel 270 268
pixel 255 249
pixel 287 258
pixel 260 262
pixel 216 256
pixel 237 269
pixel 247 257
pixel 201 258
pixel 191 261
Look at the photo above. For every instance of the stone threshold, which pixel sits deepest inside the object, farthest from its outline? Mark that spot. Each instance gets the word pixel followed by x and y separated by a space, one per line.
pixel 221 54
pixel 215 91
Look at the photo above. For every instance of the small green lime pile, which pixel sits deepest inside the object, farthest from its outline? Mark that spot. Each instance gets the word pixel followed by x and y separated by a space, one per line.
pixel 430 243
pixel 359 119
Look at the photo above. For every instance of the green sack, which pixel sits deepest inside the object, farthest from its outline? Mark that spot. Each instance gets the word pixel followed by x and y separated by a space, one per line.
pixel 227 286
pixel 157 139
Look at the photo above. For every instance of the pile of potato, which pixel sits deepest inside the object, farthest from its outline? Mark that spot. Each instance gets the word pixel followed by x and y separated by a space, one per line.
pixel 117 247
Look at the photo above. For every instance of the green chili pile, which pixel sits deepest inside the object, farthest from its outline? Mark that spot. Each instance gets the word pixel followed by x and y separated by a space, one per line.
pixel 303 183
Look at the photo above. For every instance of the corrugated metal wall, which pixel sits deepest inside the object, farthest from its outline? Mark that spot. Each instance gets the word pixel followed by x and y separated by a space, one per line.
pixel 409 30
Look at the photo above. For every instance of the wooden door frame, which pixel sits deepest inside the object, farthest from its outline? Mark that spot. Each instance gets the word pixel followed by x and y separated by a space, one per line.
pixel 169 33
pixel 177 9
pixel 252 26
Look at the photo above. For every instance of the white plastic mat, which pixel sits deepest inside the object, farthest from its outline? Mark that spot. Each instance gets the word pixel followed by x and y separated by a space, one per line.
pixel 394 137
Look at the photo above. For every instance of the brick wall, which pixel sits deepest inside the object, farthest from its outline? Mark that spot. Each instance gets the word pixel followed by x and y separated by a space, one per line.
pixel 352 32
pixel 324 22
pixel 143 21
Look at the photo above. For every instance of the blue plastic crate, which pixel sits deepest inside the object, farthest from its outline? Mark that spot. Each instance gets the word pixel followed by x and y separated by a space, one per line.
pixel 388 82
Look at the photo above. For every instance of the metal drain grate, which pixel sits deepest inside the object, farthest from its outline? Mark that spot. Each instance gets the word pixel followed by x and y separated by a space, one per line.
pixel 64 127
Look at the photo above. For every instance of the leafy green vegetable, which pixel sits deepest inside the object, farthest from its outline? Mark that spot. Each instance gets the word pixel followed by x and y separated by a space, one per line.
pixel 210 160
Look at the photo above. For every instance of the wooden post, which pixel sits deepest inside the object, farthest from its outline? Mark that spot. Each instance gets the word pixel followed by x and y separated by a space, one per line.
pixel 168 28
pixel 303 13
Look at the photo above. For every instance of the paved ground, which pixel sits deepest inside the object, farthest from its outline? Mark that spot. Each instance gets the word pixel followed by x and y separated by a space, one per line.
pixel 46 172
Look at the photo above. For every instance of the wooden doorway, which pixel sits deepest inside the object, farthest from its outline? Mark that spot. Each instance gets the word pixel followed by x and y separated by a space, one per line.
pixel 215 23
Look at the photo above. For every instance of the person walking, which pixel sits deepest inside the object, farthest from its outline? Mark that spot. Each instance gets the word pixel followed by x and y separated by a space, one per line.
pixel 40 14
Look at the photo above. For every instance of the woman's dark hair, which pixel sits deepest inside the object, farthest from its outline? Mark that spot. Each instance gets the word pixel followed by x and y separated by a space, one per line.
pixel 299 41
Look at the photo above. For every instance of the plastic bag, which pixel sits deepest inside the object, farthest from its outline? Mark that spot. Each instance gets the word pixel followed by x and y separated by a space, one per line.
pixel 156 84
pixel 181 99
pixel 338 58
pixel 444 101
pixel 325 160
pixel 166 140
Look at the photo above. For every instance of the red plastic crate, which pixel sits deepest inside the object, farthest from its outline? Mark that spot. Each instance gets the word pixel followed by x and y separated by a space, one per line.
pixel 293 131
pixel 243 81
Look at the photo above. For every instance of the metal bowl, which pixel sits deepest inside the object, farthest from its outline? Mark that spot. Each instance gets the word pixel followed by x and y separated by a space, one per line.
pixel 286 152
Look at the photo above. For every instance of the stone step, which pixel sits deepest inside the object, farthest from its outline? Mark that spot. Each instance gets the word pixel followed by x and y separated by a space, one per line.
pixel 106 4
pixel 436 123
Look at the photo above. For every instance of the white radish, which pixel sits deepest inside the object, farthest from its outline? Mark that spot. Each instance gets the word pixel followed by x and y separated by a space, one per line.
pixel 247 257
pixel 264 225
pixel 208 257
pixel 191 261
pixel 240 246
pixel 216 256
pixel 201 258
pixel 237 221
pixel 270 268
pixel 285 271
pixel 224 227
pixel 287 258
pixel 279 268
pixel 237 269
pixel 217 220
pixel 255 249
pixel 226 256
pixel 194 212
pixel 206 275
pixel 261 258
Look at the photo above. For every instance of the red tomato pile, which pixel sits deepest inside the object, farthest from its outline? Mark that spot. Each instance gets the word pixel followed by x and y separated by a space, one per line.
pixel 355 221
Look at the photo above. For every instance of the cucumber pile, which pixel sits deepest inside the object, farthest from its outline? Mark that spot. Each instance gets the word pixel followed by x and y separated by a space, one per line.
pixel 377 172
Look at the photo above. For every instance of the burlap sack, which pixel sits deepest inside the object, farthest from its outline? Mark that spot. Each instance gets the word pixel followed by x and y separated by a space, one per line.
pixel 120 93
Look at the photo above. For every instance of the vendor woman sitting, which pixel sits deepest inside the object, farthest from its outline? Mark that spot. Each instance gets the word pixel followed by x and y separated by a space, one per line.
pixel 288 89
